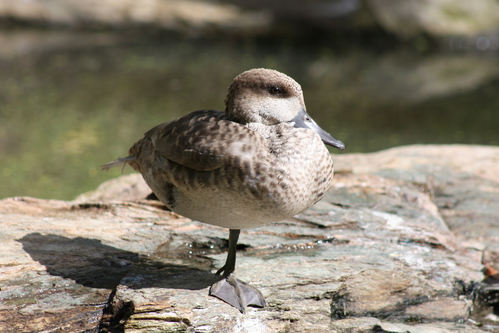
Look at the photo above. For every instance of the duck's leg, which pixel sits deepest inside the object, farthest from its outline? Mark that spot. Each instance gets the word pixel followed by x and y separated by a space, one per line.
pixel 230 262
pixel 231 290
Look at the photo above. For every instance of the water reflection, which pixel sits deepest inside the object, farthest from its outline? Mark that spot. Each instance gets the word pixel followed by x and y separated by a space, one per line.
pixel 70 103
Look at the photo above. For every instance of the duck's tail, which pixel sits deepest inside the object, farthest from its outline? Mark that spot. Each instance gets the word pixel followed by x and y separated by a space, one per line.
pixel 120 160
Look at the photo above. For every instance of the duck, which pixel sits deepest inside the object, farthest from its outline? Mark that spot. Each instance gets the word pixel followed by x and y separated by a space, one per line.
pixel 262 160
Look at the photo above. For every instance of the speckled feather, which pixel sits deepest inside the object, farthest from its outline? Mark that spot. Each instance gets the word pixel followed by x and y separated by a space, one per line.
pixel 242 168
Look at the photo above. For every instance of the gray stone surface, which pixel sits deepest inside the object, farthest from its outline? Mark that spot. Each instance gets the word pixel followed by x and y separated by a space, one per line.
pixel 461 180
pixel 388 249
pixel 402 18
pixel 436 17
pixel 179 15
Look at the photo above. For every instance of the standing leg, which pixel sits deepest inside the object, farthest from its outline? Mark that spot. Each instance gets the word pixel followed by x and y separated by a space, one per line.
pixel 231 290
pixel 230 262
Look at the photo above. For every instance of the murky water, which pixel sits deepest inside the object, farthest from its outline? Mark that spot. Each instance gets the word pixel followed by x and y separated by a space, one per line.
pixel 69 103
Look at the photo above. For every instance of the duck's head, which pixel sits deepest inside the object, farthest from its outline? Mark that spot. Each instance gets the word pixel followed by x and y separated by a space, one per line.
pixel 270 97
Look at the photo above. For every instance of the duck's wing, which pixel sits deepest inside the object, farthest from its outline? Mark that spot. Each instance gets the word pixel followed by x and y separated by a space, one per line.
pixel 203 140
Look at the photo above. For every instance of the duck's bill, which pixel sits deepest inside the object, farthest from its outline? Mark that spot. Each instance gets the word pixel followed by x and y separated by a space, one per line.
pixel 303 120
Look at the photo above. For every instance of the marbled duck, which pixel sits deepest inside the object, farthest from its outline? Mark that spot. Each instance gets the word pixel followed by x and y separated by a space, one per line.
pixel 262 160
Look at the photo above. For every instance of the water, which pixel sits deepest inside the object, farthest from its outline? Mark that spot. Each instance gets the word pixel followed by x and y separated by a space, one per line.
pixel 70 102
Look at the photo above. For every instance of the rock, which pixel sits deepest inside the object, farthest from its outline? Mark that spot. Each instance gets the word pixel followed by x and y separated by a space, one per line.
pixel 125 188
pixel 448 174
pixel 436 17
pixel 180 15
pixel 369 324
pixel 383 251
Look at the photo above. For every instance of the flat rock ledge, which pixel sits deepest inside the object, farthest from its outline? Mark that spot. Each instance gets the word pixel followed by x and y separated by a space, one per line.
pixel 397 245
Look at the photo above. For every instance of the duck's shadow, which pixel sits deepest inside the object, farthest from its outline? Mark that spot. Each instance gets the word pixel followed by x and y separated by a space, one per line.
pixel 93 264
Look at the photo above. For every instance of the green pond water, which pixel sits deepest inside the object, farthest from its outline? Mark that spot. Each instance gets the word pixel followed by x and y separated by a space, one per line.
pixel 70 104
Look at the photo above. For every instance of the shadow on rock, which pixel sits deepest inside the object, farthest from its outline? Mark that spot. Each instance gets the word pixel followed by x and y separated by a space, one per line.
pixel 93 264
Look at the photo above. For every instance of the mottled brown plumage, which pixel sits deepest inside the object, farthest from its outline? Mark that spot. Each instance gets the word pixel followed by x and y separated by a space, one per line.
pixel 261 161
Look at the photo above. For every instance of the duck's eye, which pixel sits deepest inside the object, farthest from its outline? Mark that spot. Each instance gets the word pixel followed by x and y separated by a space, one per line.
pixel 275 91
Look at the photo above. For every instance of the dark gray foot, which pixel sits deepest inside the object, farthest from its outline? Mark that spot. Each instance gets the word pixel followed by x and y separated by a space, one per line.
pixel 237 293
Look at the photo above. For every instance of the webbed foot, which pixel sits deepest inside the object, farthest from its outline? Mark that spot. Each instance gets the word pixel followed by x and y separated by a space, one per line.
pixel 237 293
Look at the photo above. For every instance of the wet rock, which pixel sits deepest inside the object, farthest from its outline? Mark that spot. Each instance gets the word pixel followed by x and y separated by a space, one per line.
pixel 386 250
